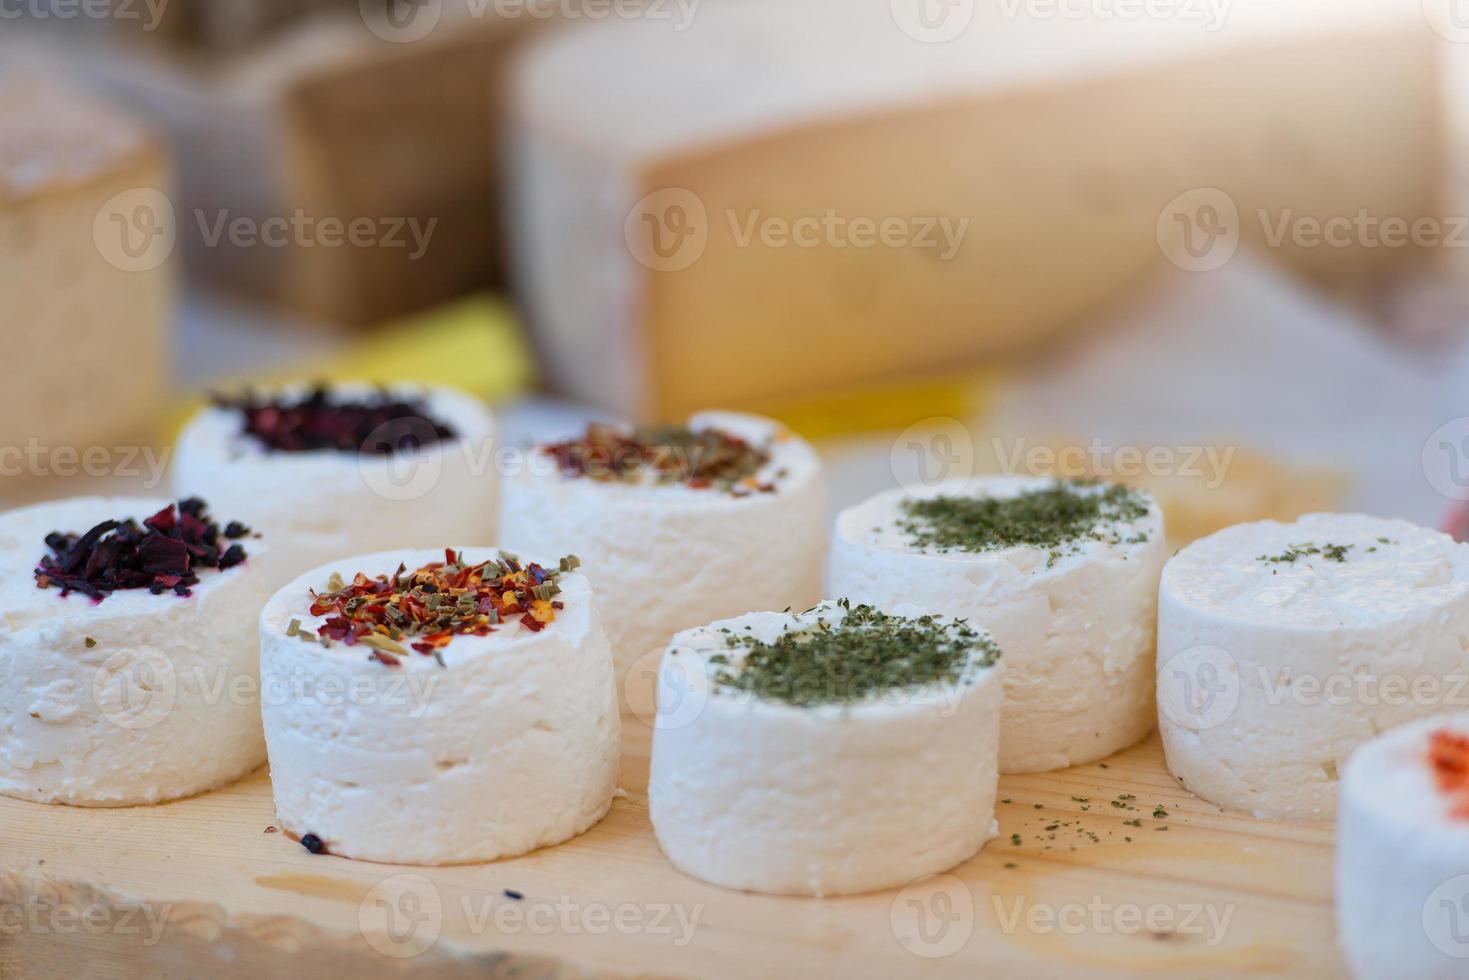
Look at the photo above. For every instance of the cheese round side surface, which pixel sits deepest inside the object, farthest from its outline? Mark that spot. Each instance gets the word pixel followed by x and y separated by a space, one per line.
pixel 509 746
pixel 1284 646
pixel 1402 858
pixel 666 558
pixel 139 698
pixel 827 799
pixel 1076 628
pixel 322 505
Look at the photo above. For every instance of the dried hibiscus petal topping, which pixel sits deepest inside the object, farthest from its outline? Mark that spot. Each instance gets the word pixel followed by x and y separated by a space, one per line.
pixel 378 424
pixel 699 459
pixel 162 554
pixel 429 606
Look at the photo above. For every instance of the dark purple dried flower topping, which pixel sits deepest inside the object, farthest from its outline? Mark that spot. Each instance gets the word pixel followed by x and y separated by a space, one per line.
pixel 163 554
pixel 379 424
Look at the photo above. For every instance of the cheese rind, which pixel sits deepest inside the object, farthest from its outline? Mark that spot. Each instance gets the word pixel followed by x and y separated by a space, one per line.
pixel 322 505
pixel 666 558
pixel 1402 860
pixel 823 800
pixel 1271 671
pixel 140 698
pixel 509 746
pixel 1077 631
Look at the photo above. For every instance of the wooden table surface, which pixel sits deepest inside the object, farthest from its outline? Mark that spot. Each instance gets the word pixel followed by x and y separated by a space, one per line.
pixel 1084 879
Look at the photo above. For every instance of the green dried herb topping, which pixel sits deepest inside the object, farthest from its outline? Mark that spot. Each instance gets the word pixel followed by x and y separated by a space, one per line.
pixel 1057 518
pixel 864 654
pixel 700 460
pixel 1330 552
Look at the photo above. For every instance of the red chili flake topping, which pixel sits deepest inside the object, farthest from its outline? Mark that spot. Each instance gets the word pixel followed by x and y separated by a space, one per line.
pixel 164 554
pixel 1448 756
pixel 380 424
pixel 667 454
pixel 434 604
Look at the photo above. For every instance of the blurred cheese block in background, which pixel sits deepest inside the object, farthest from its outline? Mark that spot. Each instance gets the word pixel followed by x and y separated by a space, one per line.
pixel 323 122
pixel 722 212
pixel 84 286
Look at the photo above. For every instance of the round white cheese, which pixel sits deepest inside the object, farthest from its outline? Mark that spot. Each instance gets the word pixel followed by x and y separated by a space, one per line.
pixel 1076 626
pixel 666 557
pixel 1282 647
pixel 1402 858
pixel 138 698
pixel 323 505
pixel 825 799
pixel 510 745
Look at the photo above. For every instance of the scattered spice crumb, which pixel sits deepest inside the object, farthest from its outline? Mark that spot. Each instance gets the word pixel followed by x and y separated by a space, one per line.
pixel 270 830
pixel 313 843
pixel 513 895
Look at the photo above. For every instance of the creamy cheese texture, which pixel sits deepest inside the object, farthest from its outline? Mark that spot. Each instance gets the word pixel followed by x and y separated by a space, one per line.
pixel 511 745
pixel 1402 860
pixel 322 505
pixel 138 698
pixel 1076 628
pixel 662 558
pixel 1284 646
pixel 821 800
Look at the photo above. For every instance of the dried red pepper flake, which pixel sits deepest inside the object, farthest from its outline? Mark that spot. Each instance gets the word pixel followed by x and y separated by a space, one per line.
pixel 164 553
pixel 1448 757
pixel 433 604
pixel 698 459
pixel 378 424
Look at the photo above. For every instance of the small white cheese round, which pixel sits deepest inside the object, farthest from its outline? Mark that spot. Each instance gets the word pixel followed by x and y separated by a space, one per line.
pixel 322 505
pixel 1076 626
pixel 138 698
pixel 1402 858
pixel 510 745
pixel 1282 647
pixel 826 799
pixel 662 558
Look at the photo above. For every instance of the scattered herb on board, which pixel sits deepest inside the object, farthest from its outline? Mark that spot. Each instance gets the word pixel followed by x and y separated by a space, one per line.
pixel 165 553
pixel 699 459
pixel 866 653
pixel 434 603
pixel 1056 518
pixel 379 424
pixel 1330 552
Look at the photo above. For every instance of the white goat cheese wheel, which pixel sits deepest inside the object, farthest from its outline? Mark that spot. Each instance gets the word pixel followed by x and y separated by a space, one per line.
pixel 666 557
pixel 750 791
pixel 1282 647
pixel 1402 857
pixel 138 698
pixel 510 745
pixel 323 505
pixel 1076 622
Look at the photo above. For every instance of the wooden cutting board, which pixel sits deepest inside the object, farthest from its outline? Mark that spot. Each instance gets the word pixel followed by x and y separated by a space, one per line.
pixel 205 887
